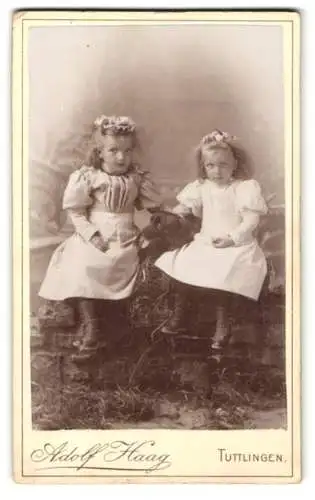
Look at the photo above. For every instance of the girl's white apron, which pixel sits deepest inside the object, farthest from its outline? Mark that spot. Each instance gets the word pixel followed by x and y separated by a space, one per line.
pixel 79 269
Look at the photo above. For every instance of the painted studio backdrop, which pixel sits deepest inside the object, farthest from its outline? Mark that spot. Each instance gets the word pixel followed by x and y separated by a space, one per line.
pixel 177 82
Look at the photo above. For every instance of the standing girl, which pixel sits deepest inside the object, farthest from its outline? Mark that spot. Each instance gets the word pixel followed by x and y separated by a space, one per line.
pixel 98 264
pixel 224 256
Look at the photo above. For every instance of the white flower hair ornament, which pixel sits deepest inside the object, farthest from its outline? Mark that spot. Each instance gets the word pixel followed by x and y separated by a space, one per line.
pixel 218 137
pixel 115 124
pixel 99 120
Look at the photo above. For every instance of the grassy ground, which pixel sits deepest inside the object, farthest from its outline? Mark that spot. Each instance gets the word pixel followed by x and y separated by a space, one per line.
pixel 149 380
pixel 165 392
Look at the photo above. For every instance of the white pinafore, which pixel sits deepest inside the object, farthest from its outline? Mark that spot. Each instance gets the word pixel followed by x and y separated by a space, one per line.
pixel 240 269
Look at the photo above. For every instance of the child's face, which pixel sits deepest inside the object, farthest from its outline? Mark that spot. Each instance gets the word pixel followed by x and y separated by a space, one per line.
pixel 219 165
pixel 116 152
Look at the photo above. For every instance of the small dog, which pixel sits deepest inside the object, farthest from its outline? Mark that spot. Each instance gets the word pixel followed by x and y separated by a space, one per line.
pixel 167 231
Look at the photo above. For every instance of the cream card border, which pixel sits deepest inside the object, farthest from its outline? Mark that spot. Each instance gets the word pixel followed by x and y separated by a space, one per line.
pixel 194 454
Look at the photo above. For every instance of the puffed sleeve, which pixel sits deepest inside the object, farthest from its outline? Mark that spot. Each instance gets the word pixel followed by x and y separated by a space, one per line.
pixel 250 198
pixel 77 198
pixel 149 195
pixel 78 190
pixel 190 198
pixel 251 205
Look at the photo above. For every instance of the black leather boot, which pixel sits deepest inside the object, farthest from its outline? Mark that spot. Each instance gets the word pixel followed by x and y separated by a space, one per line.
pixel 89 331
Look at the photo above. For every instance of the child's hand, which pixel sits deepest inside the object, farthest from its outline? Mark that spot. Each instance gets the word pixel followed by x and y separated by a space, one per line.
pixel 99 243
pixel 223 242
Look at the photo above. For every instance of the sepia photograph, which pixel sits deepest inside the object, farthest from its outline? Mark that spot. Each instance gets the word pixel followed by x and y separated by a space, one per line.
pixel 157 220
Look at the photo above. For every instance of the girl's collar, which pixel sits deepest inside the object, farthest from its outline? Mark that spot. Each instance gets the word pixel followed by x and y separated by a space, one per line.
pixel 131 171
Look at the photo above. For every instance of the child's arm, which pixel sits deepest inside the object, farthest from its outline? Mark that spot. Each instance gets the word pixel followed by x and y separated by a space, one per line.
pixel 86 229
pixel 246 228
pixel 189 206
pixel 251 206
pixel 82 225
pixel 182 210
pixel 241 234
pixel 76 200
pixel 190 200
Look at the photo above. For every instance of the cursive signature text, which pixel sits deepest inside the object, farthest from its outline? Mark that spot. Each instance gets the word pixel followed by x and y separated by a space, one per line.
pixel 113 455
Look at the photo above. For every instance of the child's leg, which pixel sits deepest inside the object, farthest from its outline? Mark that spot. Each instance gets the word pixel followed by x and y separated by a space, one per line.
pixel 223 329
pixel 180 307
pixel 89 320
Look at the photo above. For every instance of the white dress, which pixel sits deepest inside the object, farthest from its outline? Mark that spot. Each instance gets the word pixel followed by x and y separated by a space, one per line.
pixel 229 210
pixel 97 201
